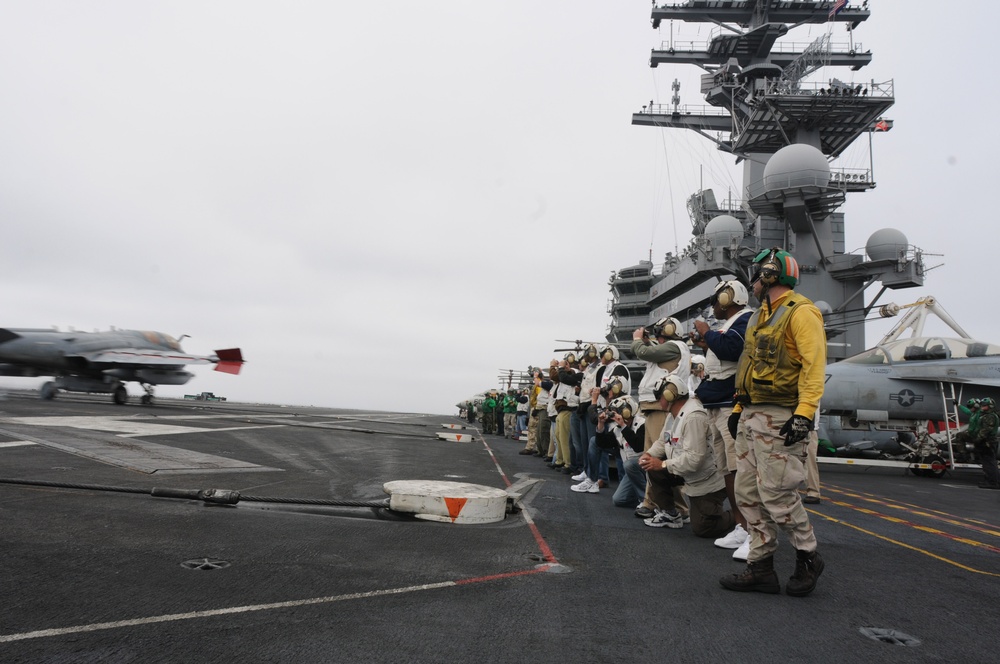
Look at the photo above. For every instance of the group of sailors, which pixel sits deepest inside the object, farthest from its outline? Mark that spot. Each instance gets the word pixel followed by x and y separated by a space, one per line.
pixel 735 425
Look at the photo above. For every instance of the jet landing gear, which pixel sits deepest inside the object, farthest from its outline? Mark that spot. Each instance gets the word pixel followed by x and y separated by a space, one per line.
pixel 147 398
pixel 119 395
pixel 48 391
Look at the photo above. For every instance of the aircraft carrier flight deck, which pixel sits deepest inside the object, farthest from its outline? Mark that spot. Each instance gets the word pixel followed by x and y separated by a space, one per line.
pixel 116 549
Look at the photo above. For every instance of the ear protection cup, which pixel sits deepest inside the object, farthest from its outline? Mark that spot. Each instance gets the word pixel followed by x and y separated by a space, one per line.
pixel 781 268
pixel 724 297
pixel 664 389
pixel 667 327
pixel 670 388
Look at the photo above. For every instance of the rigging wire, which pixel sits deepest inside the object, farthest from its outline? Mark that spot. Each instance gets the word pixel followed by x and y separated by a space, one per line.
pixel 670 186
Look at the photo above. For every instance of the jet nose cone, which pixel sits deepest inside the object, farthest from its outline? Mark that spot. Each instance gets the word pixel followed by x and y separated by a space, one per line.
pixel 7 335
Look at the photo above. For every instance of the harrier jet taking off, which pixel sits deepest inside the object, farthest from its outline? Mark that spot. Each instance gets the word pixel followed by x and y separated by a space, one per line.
pixel 103 361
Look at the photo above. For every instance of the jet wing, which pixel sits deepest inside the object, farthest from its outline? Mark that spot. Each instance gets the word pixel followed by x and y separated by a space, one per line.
pixel 942 375
pixel 229 360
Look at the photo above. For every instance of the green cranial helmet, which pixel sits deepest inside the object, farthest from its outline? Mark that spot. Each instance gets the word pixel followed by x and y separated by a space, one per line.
pixel 987 403
pixel 776 266
pixel 972 404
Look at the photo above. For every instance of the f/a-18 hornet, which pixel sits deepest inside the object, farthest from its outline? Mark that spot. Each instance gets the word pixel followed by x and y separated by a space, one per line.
pixel 877 404
pixel 103 362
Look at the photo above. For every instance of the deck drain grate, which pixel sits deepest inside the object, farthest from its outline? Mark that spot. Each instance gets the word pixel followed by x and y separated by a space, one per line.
pixel 207 564
pixel 891 636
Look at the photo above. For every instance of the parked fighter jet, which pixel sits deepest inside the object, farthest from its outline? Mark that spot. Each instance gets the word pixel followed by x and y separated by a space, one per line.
pixel 877 404
pixel 102 362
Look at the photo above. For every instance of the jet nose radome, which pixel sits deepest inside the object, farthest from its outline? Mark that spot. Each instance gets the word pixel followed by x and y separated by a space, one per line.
pixel 7 335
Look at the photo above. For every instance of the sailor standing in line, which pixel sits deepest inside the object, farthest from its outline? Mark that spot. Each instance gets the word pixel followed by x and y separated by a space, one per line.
pixel 723 348
pixel 779 382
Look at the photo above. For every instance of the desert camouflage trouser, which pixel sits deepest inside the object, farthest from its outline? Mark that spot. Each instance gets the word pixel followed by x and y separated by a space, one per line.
pixel 532 431
pixel 768 475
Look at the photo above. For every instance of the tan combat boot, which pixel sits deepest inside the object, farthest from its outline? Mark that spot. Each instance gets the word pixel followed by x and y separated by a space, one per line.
pixel 758 577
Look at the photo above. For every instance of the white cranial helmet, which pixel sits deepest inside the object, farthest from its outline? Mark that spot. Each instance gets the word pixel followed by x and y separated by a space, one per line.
pixel 728 293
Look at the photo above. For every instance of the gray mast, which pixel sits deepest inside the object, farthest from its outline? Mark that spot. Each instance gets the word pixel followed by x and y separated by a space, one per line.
pixel 785 131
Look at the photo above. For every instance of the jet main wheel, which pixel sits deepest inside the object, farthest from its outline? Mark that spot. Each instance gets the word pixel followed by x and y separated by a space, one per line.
pixel 120 395
pixel 48 391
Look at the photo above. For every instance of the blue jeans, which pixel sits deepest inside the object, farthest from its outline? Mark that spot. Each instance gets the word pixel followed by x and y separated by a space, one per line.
pixel 597 460
pixel 578 437
pixel 522 423
pixel 631 485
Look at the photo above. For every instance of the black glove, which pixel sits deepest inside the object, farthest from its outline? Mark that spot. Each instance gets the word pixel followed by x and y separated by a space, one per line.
pixel 796 429
pixel 732 422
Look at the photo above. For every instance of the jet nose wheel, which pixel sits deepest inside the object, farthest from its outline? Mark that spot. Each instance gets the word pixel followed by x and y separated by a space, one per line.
pixel 120 395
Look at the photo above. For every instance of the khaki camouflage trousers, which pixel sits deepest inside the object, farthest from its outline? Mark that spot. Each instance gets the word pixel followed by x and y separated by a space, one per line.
pixel 768 475
pixel 532 432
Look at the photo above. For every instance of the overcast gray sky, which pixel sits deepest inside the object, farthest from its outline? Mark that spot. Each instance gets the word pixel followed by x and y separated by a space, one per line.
pixel 384 204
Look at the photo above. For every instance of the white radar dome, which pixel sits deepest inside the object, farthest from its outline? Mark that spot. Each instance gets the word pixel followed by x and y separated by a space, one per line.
pixel 721 230
pixel 886 244
pixel 824 307
pixel 797 165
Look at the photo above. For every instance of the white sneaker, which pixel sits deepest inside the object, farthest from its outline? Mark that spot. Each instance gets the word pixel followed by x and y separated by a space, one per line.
pixel 581 477
pixel 663 519
pixel 742 552
pixel 586 486
pixel 733 540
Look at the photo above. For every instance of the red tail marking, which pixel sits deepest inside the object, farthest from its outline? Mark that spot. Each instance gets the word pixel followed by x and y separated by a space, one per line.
pixel 230 360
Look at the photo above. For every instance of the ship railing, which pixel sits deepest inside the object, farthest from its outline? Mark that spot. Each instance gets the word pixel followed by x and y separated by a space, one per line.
pixel 684 46
pixel 631 298
pixel 844 177
pixel 691 46
pixel 800 47
pixel 882 90
pixel 684 109
pixel 803 179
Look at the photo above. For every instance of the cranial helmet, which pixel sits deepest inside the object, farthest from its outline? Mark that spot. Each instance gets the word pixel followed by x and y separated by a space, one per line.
pixel 590 350
pixel 776 266
pixel 972 404
pixel 624 406
pixel 668 327
pixel 728 293
pixel 570 357
pixel 670 387
pixel 616 385
pixel 987 403
pixel 697 363
pixel 609 348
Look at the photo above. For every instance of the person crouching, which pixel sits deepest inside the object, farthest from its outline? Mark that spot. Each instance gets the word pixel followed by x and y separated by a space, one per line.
pixel 683 455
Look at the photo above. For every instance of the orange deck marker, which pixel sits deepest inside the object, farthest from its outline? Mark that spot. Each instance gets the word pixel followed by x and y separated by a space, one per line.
pixel 455 506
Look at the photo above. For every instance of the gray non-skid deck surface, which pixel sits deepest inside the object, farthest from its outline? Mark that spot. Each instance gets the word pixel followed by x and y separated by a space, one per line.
pixel 105 570
pixel 101 444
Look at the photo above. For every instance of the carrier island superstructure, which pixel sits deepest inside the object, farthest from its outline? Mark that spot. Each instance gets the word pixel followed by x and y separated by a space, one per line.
pixel 786 133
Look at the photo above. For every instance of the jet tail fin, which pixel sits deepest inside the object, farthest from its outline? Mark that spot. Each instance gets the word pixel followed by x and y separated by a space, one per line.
pixel 230 360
